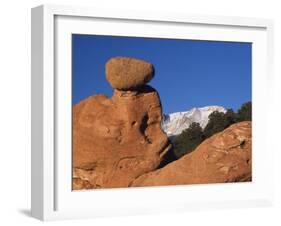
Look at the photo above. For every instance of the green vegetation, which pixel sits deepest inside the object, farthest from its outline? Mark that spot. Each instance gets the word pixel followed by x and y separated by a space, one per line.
pixel 191 137
pixel 218 121
pixel 188 140
pixel 245 112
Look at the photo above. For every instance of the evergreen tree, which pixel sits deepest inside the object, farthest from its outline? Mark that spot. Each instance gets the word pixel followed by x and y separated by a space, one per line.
pixel 218 121
pixel 188 140
pixel 245 112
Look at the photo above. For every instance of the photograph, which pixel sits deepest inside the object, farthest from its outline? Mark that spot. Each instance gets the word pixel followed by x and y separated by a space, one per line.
pixel 150 111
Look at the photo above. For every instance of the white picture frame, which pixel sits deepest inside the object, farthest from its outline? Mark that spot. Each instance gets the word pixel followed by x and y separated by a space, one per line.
pixel 52 197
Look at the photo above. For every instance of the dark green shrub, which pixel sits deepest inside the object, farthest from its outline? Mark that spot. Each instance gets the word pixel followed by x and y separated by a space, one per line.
pixel 188 140
pixel 245 112
pixel 218 121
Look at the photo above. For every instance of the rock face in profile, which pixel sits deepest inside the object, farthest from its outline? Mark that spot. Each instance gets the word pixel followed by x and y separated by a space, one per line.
pixel 124 73
pixel 224 157
pixel 119 139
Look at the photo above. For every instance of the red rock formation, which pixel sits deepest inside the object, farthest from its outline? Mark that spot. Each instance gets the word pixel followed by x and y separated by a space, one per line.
pixel 116 140
pixel 224 157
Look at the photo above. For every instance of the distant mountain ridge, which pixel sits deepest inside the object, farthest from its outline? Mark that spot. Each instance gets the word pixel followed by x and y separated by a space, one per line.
pixel 174 123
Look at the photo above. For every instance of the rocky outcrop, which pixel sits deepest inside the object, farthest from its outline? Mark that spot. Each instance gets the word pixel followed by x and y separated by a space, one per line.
pixel 224 157
pixel 126 73
pixel 116 140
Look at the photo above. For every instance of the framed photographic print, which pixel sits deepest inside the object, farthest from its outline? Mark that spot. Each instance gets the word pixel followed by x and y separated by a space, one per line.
pixel 137 112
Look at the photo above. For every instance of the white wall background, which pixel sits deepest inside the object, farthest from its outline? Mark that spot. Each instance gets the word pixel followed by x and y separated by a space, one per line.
pixel 15 112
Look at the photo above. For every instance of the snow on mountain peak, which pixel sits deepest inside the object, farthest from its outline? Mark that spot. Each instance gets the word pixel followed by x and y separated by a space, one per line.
pixel 175 123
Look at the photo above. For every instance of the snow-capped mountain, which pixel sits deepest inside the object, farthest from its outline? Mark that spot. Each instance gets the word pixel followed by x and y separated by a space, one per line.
pixel 174 123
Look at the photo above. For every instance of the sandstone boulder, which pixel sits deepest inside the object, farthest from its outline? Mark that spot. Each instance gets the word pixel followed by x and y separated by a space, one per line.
pixel 125 73
pixel 116 140
pixel 224 157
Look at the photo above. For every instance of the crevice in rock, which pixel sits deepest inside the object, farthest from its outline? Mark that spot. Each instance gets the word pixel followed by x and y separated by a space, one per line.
pixel 143 125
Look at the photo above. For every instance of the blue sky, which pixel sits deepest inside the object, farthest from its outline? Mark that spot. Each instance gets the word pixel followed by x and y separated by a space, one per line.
pixel 188 73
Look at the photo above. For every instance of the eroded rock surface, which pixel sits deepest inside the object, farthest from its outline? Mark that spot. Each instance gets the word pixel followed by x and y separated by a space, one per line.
pixel 224 157
pixel 116 140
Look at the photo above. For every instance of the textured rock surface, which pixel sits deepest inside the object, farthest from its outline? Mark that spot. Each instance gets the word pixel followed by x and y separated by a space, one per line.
pixel 125 73
pixel 116 140
pixel 224 157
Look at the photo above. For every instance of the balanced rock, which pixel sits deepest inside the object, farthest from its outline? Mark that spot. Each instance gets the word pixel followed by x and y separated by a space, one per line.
pixel 224 157
pixel 117 140
pixel 125 73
